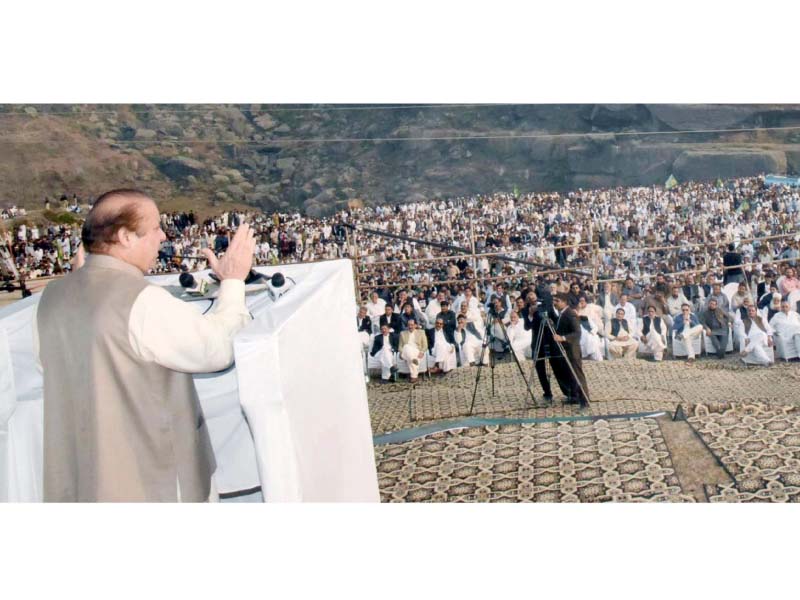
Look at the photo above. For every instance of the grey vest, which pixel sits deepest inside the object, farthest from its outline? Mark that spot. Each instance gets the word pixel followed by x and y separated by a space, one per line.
pixel 116 428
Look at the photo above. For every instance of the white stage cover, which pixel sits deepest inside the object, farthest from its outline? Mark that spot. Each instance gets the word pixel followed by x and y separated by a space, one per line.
pixel 298 380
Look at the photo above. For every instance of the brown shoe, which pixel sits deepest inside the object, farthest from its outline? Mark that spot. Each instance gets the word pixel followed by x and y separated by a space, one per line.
pixel 414 379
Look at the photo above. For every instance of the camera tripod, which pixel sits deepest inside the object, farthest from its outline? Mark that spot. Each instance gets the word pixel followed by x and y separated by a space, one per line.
pixel 547 322
pixel 489 340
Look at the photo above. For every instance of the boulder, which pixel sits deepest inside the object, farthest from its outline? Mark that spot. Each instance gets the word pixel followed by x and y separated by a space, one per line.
pixel 283 129
pixel 684 117
pixel 702 164
pixel 268 188
pixel 181 167
pixel 265 121
pixel 285 163
pixel 324 197
pixel 233 174
pixel 235 191
pixel 286 167
pixel 617 116
pixel 145 134
pixel 174 129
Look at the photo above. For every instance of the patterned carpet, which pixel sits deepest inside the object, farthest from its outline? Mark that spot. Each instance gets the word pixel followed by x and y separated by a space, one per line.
pixel 609 459
pixel 582 461
pixel 759 445
pixel 616 388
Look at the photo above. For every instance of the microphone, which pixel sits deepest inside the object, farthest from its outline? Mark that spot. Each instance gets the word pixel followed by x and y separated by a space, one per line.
pixel 187 280
pixel 191 285
pixel 252 277
pixel 277 280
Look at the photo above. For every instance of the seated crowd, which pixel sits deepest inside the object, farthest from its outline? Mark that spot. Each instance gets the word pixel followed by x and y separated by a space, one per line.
pixel 438 328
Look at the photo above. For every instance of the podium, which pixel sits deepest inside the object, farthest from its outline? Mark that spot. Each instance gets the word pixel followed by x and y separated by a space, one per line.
pixel 290 417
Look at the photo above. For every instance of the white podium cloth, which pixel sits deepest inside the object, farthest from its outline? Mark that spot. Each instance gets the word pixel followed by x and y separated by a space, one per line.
pixel 301 384
pixel 329 457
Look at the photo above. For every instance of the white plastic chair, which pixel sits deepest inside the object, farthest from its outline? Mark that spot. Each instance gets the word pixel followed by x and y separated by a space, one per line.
pixel 708 342
pixel 785 348
pixel 402 365
pixel 451 362
pixel 679 348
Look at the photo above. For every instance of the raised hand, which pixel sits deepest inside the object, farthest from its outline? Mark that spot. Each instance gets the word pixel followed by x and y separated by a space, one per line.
pixel 238 258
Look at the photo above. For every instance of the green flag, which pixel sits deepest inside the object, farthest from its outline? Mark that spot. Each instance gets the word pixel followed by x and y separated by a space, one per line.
pixel 670 183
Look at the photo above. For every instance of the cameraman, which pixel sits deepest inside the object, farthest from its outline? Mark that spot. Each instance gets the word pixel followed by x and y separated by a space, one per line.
pixel 499 316
pixel 534 318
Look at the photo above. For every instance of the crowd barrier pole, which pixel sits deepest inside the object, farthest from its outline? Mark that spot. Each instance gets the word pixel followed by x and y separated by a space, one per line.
pixel 696 244
pixel 710 270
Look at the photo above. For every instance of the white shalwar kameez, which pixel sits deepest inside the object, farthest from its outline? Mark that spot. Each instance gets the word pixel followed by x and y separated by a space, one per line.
pixel 755 344
pixel 444 353
pixel 787 326
pixel 386 358
pixel 654 341
pixel 471 349
pixel 520 340
pixel 591 345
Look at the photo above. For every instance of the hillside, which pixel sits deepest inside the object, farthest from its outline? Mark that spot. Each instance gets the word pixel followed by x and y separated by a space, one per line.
pixel 250 154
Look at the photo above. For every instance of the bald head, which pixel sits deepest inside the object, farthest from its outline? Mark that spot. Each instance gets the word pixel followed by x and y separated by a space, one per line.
pixel 125 224
pixel 112 212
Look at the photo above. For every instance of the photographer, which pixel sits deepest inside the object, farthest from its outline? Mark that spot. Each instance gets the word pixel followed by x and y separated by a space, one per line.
pixel 499 316
pixel 534 318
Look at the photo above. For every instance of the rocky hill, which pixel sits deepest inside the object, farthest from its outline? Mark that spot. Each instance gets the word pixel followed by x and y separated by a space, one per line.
pixel 318 158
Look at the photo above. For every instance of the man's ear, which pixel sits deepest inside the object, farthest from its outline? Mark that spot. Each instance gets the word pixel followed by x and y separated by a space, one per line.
pixel 124 237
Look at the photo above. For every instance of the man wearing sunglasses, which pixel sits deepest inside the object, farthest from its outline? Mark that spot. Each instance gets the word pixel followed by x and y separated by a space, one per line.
pixel 687 327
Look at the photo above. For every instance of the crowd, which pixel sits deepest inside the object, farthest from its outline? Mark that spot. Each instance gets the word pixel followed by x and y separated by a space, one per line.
pixel 632 248
pixel 12 212
pixel 542 230
pixel 757 319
